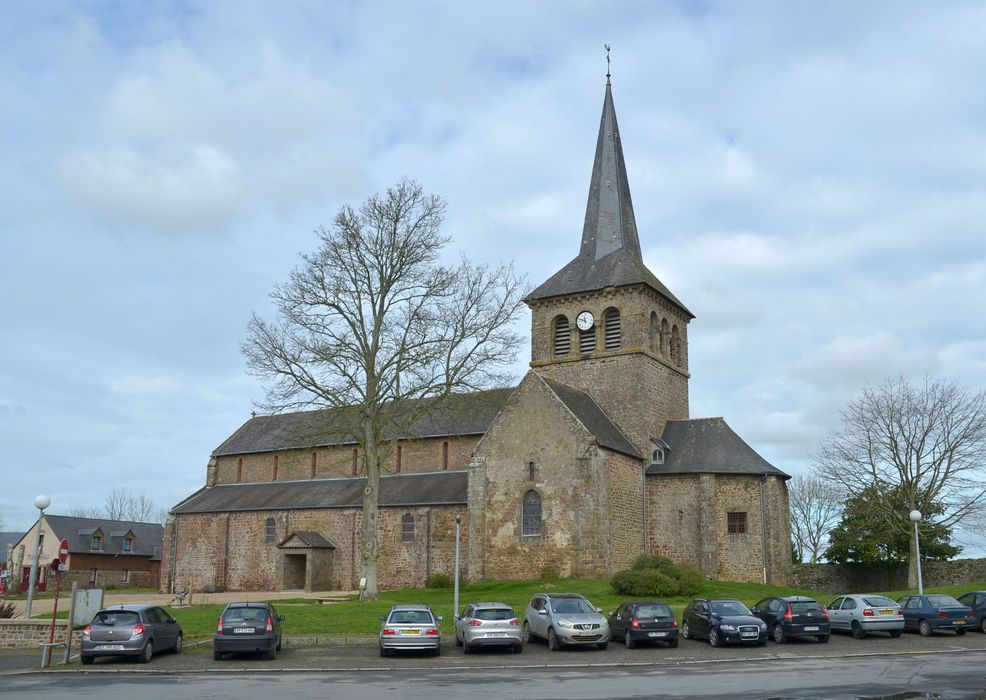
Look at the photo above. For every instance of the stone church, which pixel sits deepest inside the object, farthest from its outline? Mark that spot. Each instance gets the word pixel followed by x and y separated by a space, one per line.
pixel 591 461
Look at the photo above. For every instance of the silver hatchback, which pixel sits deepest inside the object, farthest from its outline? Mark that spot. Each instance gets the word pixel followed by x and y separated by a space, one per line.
pixel 862 614
pixel 130 630
pixel 488 625
pixel 410 628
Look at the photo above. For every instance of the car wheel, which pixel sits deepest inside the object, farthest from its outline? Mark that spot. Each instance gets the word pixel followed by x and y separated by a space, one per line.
pixel 146 653
pixel 857 630
pixel 271 654
pixel 686 631
pixel 280 640
pixel 86 659
pixel 466 649
pixel 714 637
pixel 437 651
pixel 896 633
pixel 526 632
pixel 384 652
pixel 602 646
pixel 982 625
pixel 553 643
pixel 216 656
pixel 628 640
pixel 672 644
pixel 823 638
pixel 458 642
pixel 924 627
pixel 962 631
pixel 178 645
pixel 779 635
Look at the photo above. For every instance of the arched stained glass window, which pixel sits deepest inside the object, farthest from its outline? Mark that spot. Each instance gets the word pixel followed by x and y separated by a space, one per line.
pixel 532 514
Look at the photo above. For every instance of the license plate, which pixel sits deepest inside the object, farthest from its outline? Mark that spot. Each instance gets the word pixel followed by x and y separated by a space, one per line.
pixel 749 634
pixel 110 647
pixel 888 612
pixel 657 634
pixel 243 630
pixel 811 629
pixel 412 632
pixel 496 634
pixel 958 622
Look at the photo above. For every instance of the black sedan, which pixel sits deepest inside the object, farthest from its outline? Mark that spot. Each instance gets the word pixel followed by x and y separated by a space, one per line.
pixel 793 616
pixel 722 621
pixel 644 622
pixel 248 628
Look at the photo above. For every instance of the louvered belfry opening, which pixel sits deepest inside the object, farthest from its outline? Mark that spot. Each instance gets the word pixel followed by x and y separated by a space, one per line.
pixel 587 340
pixel 563 336
pixel 611 327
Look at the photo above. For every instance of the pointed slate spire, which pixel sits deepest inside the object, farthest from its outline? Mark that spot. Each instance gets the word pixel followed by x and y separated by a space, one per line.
pixel 610 254
pixel 609 222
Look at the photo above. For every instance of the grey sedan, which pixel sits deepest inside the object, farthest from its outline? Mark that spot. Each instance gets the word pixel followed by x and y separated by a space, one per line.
pixel 488 625
pixel 130 630
pixel 862 614
pixel 410 628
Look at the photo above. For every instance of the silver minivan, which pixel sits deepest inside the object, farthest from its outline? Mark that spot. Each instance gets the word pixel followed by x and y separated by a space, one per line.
pixel 488 625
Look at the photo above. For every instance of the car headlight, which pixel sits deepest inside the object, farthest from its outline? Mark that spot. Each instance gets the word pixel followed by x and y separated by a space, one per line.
pixel 565 625
pixel 727 628
pixel 763 626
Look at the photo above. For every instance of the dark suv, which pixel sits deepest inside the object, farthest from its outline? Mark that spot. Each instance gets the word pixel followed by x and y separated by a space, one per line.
pixel 722 621
pixel 793 616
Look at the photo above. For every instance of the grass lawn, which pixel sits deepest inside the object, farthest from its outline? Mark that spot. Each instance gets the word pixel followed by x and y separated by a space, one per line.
pixel 303 617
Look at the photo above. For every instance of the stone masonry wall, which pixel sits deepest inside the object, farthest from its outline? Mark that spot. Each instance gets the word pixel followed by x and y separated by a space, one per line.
pixel 28 634
pixel 337 461
pixel 867 578
pixel 624 512
pixel 229 551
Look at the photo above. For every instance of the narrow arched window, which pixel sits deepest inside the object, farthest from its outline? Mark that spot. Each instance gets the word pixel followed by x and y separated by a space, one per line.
pixel 239 469
pixel 445 455
pixel 531 514
pixel 355 460
pixel 561 336
pixel 275 469
pixel 313 465
pixel 398 453
pixel 665 333
pixel 611 328
pixel 675 346
pixel 654 333
pixel 269 531
pixel 407 528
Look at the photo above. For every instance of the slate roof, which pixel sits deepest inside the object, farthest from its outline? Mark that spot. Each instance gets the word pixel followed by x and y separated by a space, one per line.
pixel 6 539
pixel 610 253
pixel 460 414
pixel 315 540
pixel 148 537
pixel 424 489
pixel 709 446
pixel 590 415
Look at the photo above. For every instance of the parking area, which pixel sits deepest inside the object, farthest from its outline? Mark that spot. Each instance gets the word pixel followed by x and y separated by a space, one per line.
pixel 363 654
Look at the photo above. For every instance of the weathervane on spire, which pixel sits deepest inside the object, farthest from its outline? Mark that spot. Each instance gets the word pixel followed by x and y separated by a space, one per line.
pixel 606 46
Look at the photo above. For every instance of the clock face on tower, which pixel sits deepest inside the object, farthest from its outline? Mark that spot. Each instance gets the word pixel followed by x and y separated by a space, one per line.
pixel 584 321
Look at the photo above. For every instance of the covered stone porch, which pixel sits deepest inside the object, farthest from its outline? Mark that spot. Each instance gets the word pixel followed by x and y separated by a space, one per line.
pixel 305 562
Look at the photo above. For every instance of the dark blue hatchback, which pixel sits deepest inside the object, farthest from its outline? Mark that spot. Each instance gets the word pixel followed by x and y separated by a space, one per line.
pixel 927 613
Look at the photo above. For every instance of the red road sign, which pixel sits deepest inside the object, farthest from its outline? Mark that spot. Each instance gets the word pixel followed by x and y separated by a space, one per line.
pixel 63 551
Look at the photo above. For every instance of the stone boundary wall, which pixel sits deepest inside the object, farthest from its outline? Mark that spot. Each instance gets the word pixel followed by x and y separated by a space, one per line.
pixel 860 578
pixel 27 634
pixel 108 580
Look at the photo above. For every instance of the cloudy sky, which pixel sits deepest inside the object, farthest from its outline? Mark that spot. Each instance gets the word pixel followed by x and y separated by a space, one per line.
pixel 807 179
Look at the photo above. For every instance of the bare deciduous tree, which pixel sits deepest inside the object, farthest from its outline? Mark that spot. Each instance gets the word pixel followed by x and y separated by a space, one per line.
pixel 123 504
pixel 815 507
pixel 373 325
pixel 924 440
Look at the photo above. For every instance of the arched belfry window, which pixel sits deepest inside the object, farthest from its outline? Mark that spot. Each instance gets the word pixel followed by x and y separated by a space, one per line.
pixel 611 327
pixel 675 346
pixel 654 333
pixel 407 528
pixel 587 340
pixel 665 337
pixel 531 525
pixel 562 336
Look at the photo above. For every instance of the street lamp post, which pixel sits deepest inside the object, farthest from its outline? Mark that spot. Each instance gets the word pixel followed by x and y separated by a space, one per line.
pixel 455 602
pixel 41 502
pixel 915 517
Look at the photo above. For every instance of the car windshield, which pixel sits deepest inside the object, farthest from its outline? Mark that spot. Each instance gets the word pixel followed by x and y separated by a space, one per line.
pixel 494 614
pixel 942 601
pixel 116 617
pixel 572 605
pixel 653 611
pixel 730 607
pixel 244 614
pixel 410 617
pixel 805 606
pixel 878 601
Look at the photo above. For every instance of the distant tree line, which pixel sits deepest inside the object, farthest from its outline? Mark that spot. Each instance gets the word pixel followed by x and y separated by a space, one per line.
pixel 123 504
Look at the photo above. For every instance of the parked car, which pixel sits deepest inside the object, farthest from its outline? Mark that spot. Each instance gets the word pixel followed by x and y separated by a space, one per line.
pixel 863 614
pixel 248 628
pixel 934 611
pixel 130 630
pixel 651 621
pixel 977 601
pixel 410 628
pixel 565 618
pixel 488 625
pixel 722 621
pixel 793 616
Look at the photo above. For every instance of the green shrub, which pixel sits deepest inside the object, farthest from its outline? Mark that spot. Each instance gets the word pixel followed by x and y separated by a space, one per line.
pixel 438 581
pixel 658 577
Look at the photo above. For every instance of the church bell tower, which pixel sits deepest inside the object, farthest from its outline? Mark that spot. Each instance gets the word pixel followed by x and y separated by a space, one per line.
pixel 604 323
